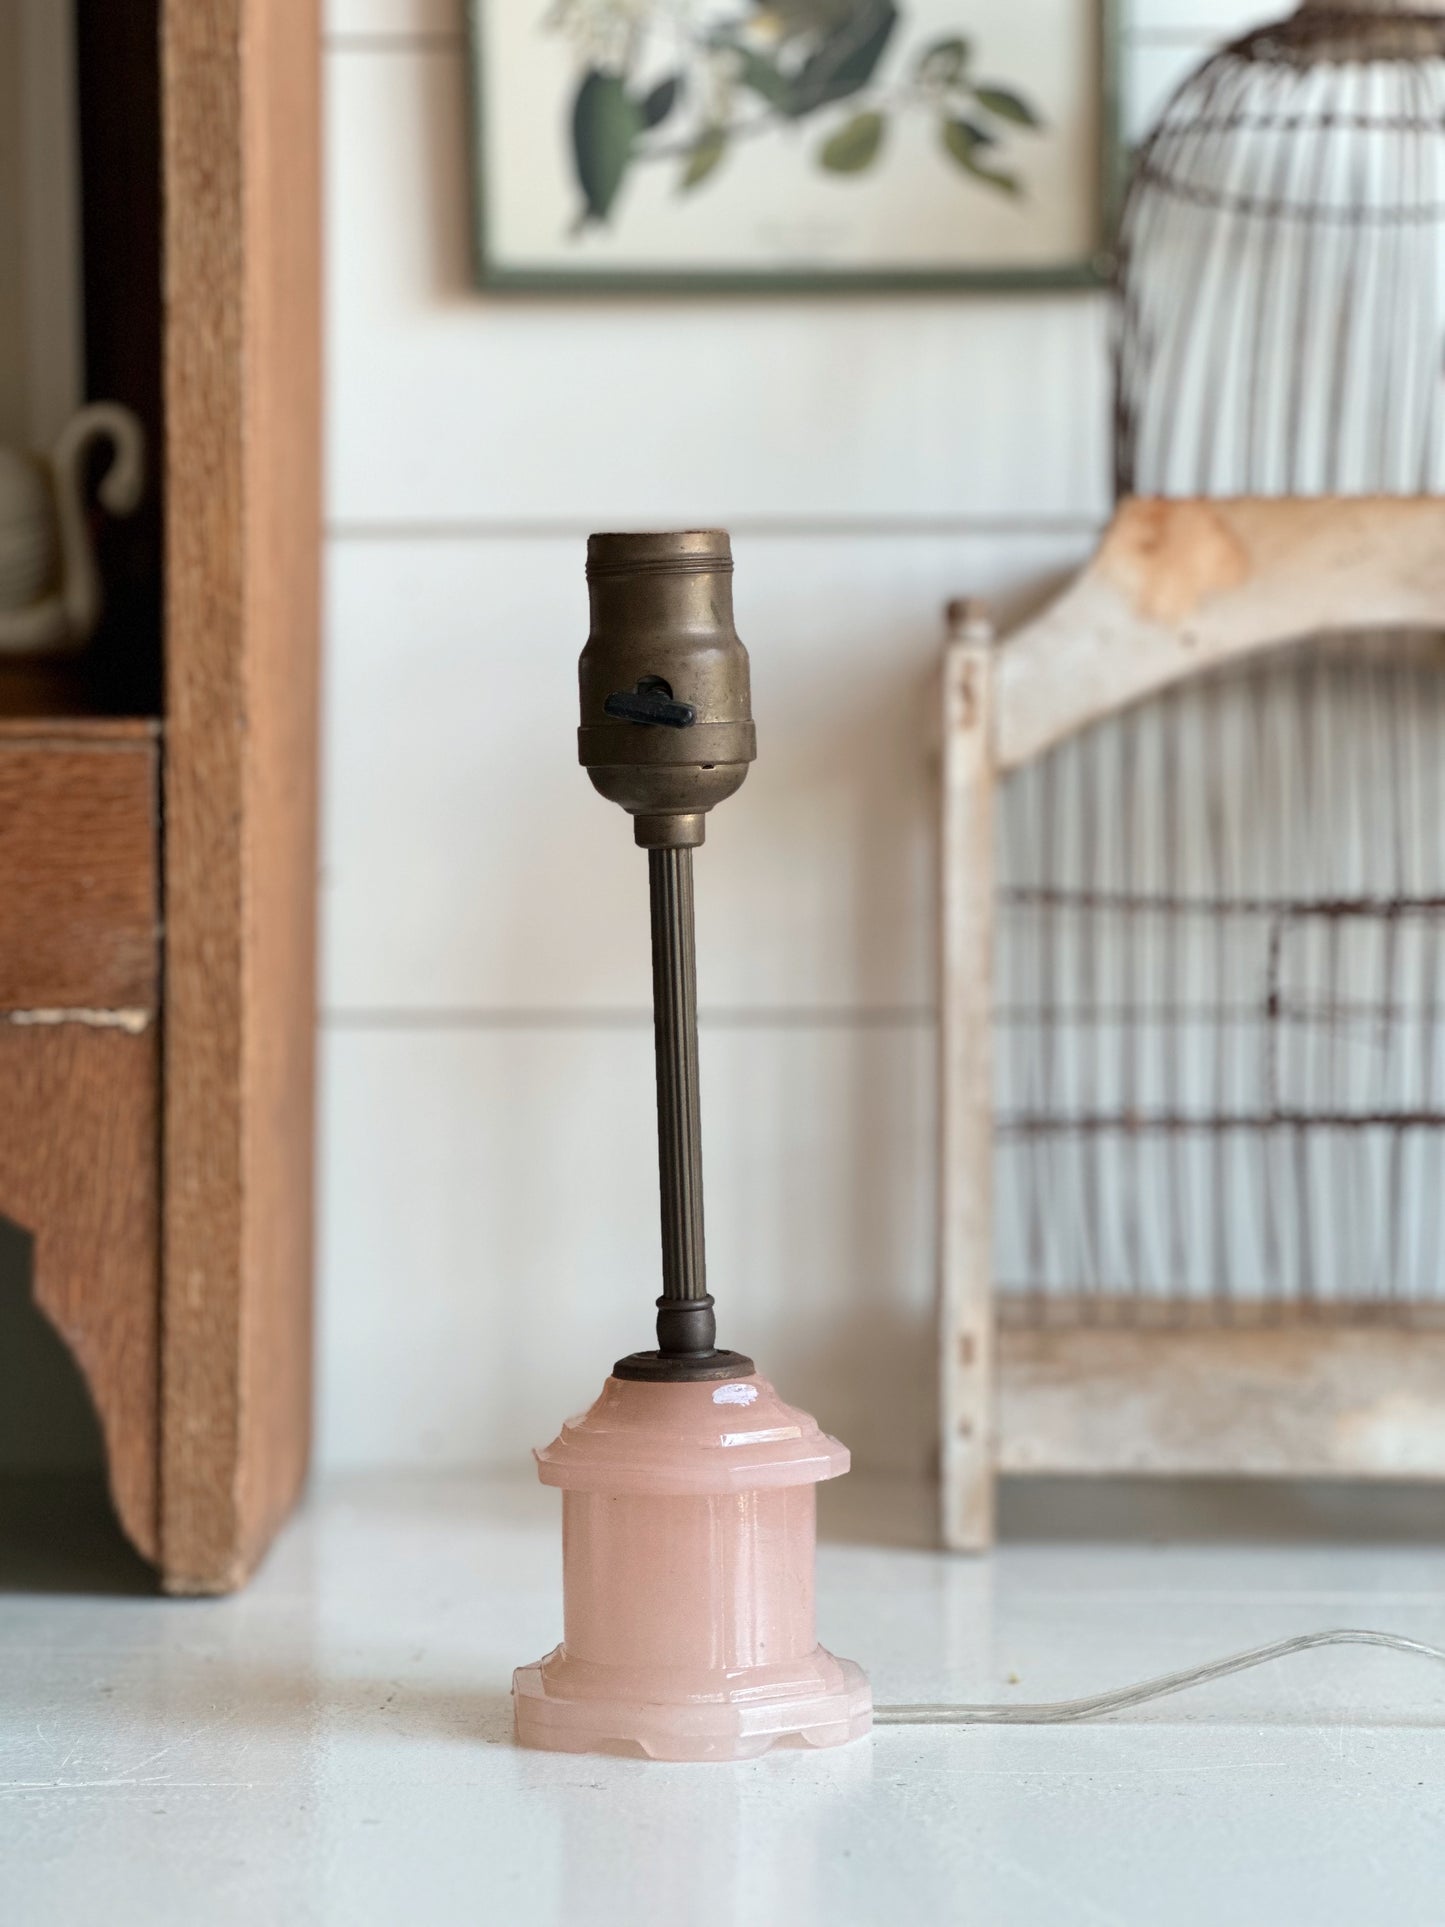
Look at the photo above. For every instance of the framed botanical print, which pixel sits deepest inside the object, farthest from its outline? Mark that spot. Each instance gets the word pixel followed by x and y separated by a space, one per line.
pixel 680 144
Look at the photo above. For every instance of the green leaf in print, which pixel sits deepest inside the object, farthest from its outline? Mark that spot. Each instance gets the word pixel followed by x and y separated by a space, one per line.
pixel 1008 105
pixel 854 146
pixel 845 61
pixel 706 152
pixel 657 105
pixel 963 141
pixel 761 75
pixel 709 73
pixel 960 134
pixel 605 124
pixel 943 61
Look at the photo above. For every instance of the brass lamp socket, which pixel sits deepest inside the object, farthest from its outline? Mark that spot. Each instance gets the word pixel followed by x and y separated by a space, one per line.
pixel 667 728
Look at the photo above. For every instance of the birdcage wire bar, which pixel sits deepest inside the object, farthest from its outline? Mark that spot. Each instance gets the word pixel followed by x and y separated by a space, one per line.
pixel 1221 1066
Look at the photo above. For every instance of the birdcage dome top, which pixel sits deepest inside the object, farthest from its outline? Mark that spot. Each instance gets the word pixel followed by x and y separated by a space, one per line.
pixel 1336 32
pixel 1280 263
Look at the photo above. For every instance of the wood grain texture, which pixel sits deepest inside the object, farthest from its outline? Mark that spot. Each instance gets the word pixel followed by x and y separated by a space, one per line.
pixel 79 1167
pixel 241 131
pixel 78 868
pixel 1284 1400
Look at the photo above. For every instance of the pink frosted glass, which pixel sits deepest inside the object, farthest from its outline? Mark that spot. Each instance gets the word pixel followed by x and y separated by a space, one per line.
pixel 688 1530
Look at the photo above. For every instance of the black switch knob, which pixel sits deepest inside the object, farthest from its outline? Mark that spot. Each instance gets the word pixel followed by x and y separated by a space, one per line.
pixel 650 703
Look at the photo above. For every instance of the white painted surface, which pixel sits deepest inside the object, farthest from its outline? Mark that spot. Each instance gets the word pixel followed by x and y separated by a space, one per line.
pixel 409 18
pixel 1153 69
pixel 334 1746
pixel 470 863
pixel 448 406
pixel 873 457
pixel 1171 19
pixel 491 1228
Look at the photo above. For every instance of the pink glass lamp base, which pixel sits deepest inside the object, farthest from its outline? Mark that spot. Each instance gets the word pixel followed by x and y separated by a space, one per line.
pixel 822 1702
pixel 688 1531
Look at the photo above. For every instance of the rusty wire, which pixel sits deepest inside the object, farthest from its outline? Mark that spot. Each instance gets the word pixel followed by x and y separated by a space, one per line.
pixel 1221 1061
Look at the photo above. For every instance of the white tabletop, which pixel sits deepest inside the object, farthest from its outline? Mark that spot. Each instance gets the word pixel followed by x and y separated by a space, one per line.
pixel 335 1744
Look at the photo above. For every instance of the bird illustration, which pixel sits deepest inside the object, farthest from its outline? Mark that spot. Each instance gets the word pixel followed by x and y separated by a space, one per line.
pixel 841 43
pixel 782 21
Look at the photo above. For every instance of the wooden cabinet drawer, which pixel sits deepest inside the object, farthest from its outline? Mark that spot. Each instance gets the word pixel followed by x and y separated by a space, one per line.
pixel 79 892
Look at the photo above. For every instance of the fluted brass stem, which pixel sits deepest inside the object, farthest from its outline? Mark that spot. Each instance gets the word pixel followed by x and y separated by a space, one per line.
pixel 679 1116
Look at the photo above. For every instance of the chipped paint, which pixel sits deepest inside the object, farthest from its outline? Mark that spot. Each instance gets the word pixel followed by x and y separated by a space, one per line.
pixel 1169 557
pixel 133 1022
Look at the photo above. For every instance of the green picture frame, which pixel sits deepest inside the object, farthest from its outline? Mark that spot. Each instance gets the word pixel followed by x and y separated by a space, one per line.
pixel 578 265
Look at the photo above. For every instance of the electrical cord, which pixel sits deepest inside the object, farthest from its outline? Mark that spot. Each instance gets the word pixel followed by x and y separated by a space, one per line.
pixel 1095 1705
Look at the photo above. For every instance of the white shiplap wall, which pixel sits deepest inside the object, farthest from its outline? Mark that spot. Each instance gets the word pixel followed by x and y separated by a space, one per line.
pixel 489 1233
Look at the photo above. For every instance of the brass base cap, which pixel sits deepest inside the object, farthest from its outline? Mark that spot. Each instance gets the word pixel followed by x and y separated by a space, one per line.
pixel 678 1368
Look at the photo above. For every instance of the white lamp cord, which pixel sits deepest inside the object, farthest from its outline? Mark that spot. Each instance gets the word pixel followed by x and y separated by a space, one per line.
pixel 1096 1705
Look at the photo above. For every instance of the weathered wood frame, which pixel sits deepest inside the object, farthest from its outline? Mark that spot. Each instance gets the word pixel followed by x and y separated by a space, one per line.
pixel 1174 589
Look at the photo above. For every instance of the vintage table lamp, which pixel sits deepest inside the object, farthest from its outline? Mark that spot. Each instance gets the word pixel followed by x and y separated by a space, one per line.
pixel 688 1515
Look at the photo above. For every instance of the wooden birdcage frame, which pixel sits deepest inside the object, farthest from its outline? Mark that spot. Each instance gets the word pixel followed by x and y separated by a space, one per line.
pixel 1176 589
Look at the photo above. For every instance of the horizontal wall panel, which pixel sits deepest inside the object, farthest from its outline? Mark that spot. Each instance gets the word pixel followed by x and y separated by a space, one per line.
pixel 490 1241
pixel 447 405
pixel 468 862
